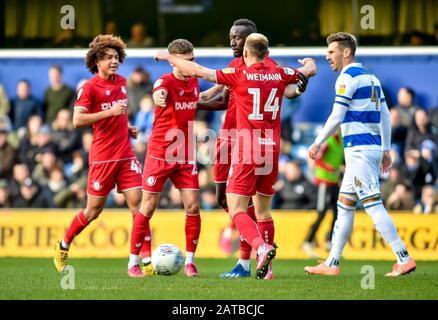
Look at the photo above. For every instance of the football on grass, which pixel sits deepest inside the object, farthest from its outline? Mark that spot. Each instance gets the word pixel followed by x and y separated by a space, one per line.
pixel 167 259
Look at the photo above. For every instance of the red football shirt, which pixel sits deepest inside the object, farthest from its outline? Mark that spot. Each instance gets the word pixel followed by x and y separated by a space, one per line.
pixel 227 132
pixel 172 135
pixel 111 135
pixel 258 91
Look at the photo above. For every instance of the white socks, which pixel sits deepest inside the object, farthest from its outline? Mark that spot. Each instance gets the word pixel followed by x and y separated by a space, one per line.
pixel 246 264
pixel 133 260
pixel 146 260
pixel 341 233
pixel 65 245
pixel 190 257
pixel 385 226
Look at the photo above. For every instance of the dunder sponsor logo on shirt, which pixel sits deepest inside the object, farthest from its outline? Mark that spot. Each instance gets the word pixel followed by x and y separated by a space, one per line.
pixel 185 105
pixel 108 105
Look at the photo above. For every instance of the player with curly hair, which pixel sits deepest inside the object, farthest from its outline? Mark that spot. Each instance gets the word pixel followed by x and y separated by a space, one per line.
pixel 102 103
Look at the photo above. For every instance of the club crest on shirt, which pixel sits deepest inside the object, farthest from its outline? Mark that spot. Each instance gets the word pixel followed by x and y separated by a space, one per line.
pixel 181 93
pixel 97 186
pixel 228 70
pixel 151 180
pixel 341 89
pixel 357 182
pixel 107 92
pixel 123 90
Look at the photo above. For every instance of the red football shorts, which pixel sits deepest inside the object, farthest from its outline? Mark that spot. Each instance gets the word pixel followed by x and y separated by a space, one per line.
pixel 248 178
pixel 222 163
pixel 156 172
pixel 102 177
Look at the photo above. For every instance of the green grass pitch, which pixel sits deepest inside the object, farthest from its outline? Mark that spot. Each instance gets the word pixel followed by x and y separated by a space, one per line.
pixel 31 278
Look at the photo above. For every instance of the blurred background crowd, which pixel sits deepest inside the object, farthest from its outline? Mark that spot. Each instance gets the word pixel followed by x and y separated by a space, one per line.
pixel 43 159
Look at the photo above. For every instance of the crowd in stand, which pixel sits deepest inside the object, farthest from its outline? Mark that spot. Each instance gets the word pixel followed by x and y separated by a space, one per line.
pixel 44 160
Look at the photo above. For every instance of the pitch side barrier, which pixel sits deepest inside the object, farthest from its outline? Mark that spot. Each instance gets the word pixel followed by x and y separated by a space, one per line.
pixel 33 233
pixel 416 67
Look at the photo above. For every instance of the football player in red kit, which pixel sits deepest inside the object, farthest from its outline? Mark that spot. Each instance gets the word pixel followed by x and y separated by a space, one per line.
pixel 102 103
pixel 240 29
pixel 170 155
pixel 258 88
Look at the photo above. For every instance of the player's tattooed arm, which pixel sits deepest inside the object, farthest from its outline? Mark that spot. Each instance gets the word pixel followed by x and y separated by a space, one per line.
pixel 188 67
pixel 211 93
pixel 217 103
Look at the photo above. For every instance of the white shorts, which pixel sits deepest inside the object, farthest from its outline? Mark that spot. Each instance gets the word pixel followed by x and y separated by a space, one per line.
pixel 362 171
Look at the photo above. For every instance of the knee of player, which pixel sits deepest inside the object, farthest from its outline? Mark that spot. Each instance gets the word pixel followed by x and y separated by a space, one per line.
pixel 347 201
pixel 192 209
pixel 92 213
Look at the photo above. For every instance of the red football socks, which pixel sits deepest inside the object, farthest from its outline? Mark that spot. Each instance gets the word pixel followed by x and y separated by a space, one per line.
pixel 139 230
pixel 248 229
pixel 77 225
pixel 245 247
pixel 267 230
pixel 193 229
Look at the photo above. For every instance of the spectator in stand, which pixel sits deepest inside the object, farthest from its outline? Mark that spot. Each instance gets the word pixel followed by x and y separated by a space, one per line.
pixel 418 171
pixel 295 191
pixel 4 102
pixel 58 96
pixel 433 116
pixel 138 86
pixel 139 37
pixel 23 106
pixel 31 195
pixel 28 148
pixel 144 118
pixel 5 199
pixel 75 169
pixel 406 106
pixel 66 139
pixel 429 201
pixel 55 184
pixel 401 199
pixel 111 28
pixel 75 195
pixel 43 140
pixel 398 131
pixel 420 130
pixel 47 162
pixel 428 153
pixel 8 155
pixel 395 178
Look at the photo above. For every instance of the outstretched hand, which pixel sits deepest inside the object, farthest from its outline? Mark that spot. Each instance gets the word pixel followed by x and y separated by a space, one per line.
pixel 386 161
pixel 161 55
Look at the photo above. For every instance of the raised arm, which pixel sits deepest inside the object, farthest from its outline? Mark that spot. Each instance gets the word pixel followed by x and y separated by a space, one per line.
pixel 309 68
pixel 188 67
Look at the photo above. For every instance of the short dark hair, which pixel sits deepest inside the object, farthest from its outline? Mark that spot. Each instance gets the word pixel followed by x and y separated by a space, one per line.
pixel 98 48
pixel 250 25
pixel 56 67
pixel 410 91
pixel 345 40
pixel 27 82
pixel 180 46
